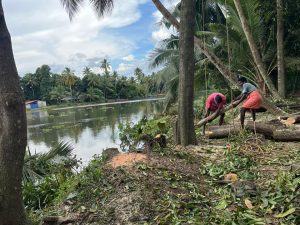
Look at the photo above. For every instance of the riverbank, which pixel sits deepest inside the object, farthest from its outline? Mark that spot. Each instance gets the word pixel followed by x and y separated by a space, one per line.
pixel 243 179
pixel 85 104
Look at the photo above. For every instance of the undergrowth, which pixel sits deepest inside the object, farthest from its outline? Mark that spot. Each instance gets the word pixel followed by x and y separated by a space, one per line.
pixel 178 186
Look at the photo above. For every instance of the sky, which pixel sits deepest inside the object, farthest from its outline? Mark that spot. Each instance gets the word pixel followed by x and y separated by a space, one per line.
pixel 43 34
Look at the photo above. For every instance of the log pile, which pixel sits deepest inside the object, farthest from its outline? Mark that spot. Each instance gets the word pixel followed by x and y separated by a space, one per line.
pixel 269 131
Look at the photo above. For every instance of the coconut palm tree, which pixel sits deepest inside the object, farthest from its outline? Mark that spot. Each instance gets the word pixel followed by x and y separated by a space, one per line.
pixel 31 82
pixel 69 78
pixel 186 131
pixel 139 75
pixel 93 80
pixel 87 71
pixel 12 152
pixel 261 67
pixel 280 48
pixel 222 67
pixel 58 93
pixel 167 55
pixel 105 64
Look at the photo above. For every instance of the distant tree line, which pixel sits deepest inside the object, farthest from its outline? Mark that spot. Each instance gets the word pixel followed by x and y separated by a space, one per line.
pixel 55 88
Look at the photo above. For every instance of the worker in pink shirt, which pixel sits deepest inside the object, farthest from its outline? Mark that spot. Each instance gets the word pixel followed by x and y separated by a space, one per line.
pixel 214 102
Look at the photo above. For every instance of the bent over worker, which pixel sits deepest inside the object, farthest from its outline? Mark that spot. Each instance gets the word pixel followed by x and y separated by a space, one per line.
pixel 214 102
pixel 253 99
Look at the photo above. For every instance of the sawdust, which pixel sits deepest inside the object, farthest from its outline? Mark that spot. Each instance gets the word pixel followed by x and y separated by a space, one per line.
pixel 127 159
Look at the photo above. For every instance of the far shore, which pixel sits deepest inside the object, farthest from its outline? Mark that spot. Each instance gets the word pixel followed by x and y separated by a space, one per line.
pixel 57 107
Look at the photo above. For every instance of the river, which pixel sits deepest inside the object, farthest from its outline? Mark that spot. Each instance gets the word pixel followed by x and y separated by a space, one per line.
pixel 89 129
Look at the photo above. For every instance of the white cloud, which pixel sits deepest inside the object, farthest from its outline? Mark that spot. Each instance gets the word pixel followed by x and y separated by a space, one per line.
pixel 42 33
pixel 128 58
pixel 125 68
pixel 160 32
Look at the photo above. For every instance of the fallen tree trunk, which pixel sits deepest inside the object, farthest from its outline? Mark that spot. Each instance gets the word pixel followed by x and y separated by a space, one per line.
pixel 222 132
pixel 286 135
pixel 267 130
pixel 290 106
pixel 293 120
pixel 260 128
pixel 225 131
pixel 218 127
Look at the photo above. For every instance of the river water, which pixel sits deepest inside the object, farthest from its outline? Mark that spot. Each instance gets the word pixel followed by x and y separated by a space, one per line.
pixel 89 129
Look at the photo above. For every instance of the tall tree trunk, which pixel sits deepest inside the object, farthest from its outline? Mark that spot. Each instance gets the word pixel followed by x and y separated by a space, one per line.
pixel 223 69
pixel 254 50
pixel 32 92
pixel 186 77
pixel 71 91
pixel 280 50
pixel 13 133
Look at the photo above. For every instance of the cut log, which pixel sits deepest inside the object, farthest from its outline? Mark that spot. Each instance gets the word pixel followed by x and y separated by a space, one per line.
pixel 222 132
pixel 286 135
pixel 269 131
pixel 293 120
pixel 261 128
pixel 222 127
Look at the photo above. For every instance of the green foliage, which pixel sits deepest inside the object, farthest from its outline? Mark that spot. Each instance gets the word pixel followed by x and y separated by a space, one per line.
pixel 44 173
pixel 233 162
pixel 37 196
pixel 282 197
pixel 90 178
pixel 56 88
pixel 131 134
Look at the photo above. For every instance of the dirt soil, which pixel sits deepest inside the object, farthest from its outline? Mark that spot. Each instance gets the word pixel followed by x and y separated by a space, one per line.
pixel 127 159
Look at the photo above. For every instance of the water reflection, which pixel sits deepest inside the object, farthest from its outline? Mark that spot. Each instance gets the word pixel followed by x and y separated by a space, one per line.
pixel 89 129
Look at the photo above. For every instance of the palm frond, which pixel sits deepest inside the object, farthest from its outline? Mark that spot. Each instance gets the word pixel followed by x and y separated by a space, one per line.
pixel 71 6
pixel 63 149
pixel 30 175
pixel 32 169
pixel 102 6
pixel 161 56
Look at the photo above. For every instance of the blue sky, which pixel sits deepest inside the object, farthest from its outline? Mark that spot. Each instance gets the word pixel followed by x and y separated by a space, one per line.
pixel 42 34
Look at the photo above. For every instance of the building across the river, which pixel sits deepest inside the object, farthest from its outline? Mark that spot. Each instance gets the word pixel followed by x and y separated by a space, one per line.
pixel 35 104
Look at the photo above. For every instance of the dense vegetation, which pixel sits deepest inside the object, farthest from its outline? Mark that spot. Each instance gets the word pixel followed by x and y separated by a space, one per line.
pixel 222 31
pixel 92 87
